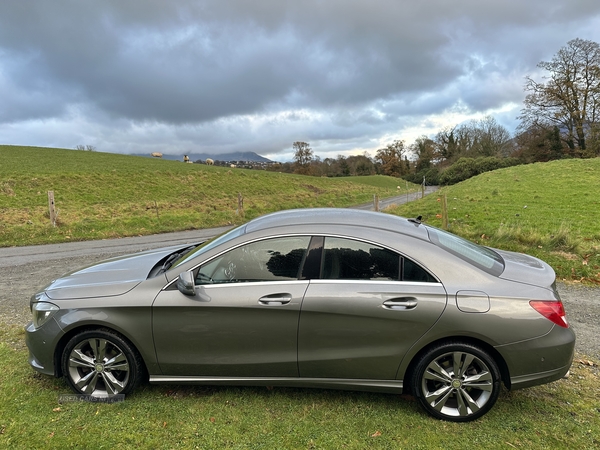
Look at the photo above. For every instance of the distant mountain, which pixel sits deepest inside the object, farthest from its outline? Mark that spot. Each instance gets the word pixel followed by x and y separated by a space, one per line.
pixel 235 156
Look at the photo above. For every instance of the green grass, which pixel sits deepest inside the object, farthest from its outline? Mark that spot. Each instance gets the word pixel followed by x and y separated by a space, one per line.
pixel 549 210
pixel 561 415
pixel 102 195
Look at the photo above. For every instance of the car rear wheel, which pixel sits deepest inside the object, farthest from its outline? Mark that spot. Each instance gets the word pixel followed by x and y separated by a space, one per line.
pixel 101 363
pixel 456 382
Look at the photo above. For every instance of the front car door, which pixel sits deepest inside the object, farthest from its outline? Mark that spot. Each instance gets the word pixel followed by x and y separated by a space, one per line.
pixel 243 319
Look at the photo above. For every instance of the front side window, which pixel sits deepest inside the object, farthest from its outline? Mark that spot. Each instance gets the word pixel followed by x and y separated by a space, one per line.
pixel 210 244
pixel 347 259
pixel 277 259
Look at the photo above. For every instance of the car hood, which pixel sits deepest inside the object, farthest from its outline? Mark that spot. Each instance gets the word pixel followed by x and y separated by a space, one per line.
pixel 526 269
pixel 110 277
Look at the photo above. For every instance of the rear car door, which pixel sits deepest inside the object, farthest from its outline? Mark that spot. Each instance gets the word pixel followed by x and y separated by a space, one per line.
pixel 368 308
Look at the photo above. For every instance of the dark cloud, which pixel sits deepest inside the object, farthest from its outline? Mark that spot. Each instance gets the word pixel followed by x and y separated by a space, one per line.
pixel 225 75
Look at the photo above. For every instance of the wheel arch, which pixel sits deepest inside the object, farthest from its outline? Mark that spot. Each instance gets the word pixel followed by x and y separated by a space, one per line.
pixel 62 343
pixel 498 359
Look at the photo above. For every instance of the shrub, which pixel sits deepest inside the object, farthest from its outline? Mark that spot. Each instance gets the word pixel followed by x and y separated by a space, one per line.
pixel 431 174
pixel 466 168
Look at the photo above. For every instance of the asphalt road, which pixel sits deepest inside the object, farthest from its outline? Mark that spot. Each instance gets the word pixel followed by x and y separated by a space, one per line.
pixel 24 270
pixel 398 200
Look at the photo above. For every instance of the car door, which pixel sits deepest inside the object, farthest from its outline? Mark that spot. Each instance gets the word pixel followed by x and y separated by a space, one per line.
pixel 243 319
pixel 368 308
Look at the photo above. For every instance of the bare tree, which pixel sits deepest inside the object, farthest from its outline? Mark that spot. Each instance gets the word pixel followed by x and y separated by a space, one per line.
pixel 472 139
pixel 491 138
pixel 570 97
pixel 89 148
pixel 303 156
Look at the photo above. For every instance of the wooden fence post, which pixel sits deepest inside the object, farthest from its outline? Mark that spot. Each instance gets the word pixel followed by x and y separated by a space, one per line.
pixel 52 208
pixel 376 202
pixel 444 212
pixel 240 210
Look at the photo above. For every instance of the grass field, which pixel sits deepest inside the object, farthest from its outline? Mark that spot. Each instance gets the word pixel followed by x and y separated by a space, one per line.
pixel 560 415
pixel 549 210
pixel 102 195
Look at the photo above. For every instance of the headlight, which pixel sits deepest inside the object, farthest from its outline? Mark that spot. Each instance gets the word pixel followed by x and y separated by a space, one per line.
pixel 42 311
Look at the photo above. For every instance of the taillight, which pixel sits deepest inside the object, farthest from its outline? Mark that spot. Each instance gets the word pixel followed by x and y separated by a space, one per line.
pixel 552 310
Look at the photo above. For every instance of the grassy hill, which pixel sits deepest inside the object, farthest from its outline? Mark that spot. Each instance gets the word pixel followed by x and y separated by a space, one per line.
pixel 103 195
pixel 550 210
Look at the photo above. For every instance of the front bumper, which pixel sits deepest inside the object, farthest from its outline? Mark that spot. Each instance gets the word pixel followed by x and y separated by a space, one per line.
pixel 42 343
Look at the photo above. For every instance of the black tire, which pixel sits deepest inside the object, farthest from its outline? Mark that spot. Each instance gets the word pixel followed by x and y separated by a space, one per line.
pixel 101 363
pixel 460 397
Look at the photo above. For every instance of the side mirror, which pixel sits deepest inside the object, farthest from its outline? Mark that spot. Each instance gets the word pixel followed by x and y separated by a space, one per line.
pixel 185 283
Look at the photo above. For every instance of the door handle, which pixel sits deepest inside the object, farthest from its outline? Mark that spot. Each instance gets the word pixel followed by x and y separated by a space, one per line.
pixel 400 304
pixel 275 299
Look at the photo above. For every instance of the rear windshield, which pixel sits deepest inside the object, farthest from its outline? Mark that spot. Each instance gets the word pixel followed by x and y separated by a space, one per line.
pixel 484 258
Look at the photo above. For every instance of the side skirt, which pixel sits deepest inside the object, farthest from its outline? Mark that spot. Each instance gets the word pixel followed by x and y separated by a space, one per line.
pixel 388 386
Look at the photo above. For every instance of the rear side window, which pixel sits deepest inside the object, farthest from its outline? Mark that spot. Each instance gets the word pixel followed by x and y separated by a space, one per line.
pixel 482 257
pixel 347 259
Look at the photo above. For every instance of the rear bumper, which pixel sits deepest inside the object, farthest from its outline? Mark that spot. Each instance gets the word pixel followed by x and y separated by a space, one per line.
pixel 540 360
pixel 535 379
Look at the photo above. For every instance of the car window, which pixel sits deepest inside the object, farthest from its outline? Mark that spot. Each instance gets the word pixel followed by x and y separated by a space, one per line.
pixel 277 259
pixel 210 244
pixel 411 271
pixel 347 259
pixel 482 257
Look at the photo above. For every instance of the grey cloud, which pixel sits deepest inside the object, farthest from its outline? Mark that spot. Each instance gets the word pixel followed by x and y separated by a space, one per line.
pixel 255 75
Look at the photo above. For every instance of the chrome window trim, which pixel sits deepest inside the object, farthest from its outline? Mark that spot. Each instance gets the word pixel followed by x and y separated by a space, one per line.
pixel 310 235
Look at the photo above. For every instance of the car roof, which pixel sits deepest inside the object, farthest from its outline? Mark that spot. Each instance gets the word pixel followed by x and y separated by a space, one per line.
pixel 338 217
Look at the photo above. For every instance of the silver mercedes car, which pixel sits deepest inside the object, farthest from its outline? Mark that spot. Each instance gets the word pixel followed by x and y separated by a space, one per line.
pixel 319 298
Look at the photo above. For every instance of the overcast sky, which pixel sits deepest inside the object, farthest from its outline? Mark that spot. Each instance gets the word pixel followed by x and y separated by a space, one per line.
pixel 347 76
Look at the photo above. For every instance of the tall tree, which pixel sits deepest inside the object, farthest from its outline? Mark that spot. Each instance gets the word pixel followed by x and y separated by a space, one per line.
pixel 447 144
pixel 570 97
pixel 390 159
pixel 537 144
pixel 425 151
pixel 491 138
pixel 303 156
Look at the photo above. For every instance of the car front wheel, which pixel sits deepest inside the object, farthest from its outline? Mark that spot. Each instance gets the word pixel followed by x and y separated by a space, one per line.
pixel 101 363
pixel 456 382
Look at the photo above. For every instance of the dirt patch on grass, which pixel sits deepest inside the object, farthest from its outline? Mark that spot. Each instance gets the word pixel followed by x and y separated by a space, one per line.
pixel 565 255
pixel 314 189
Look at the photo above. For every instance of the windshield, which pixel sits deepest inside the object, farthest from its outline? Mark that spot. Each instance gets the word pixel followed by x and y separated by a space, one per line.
pixel 484 258
pixel 210 244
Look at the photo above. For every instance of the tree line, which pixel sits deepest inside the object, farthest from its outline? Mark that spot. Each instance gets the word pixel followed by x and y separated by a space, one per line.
pixel 560 119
